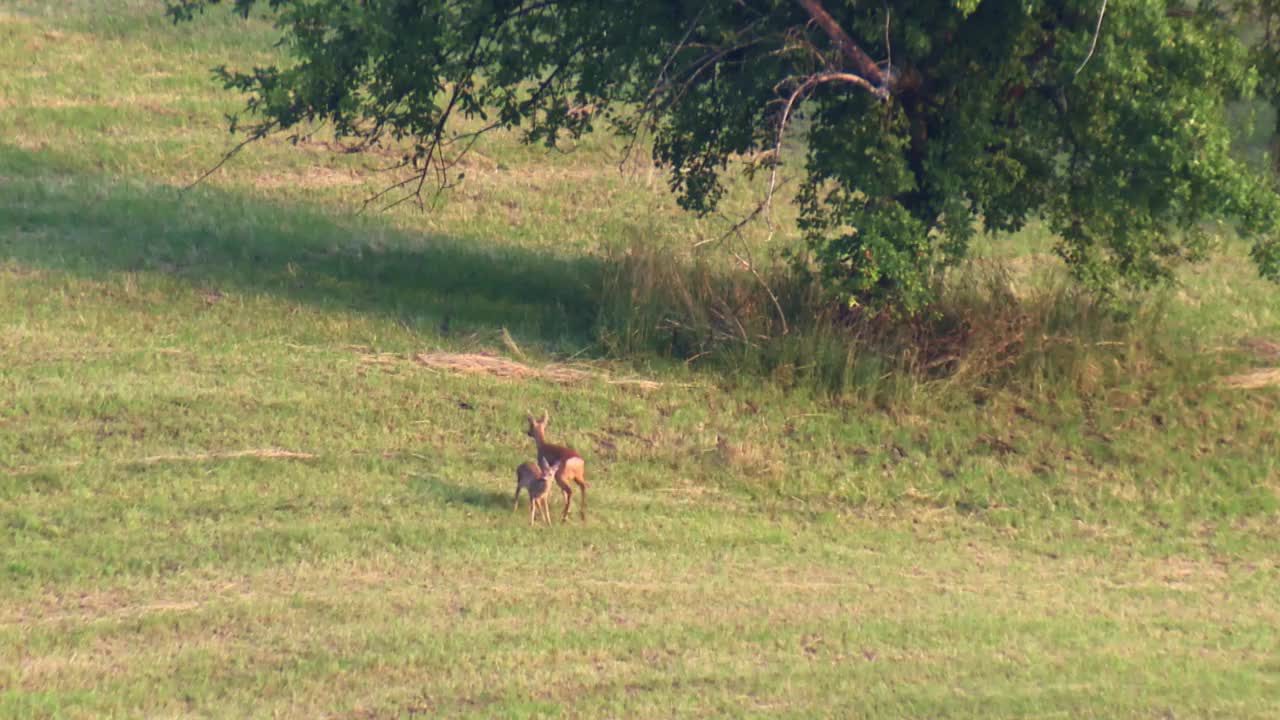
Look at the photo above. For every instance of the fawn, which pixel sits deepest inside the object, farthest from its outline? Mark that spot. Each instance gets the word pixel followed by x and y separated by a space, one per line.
pixel 535 479
pixel 570 465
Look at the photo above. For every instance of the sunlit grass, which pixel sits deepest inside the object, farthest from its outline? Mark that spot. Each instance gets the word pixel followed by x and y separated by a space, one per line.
pixel 229 485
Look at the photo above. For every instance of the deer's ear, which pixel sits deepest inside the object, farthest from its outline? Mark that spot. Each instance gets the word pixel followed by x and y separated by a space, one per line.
pixel 529 415
pixel 546 417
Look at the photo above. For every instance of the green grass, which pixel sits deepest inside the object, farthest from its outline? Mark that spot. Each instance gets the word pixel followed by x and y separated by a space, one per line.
pixel 1094 535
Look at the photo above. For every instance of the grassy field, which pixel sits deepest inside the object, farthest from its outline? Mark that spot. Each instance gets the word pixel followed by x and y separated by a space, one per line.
pixel 239 477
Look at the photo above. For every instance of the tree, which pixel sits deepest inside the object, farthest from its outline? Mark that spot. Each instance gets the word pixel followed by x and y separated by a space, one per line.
pixel 924 122
pixel 1260 24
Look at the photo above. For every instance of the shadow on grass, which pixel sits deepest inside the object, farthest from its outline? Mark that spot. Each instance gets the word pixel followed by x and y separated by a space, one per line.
pixel 56 218
pixel 443 491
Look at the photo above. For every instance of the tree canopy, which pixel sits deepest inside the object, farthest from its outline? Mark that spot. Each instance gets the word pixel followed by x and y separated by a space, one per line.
pixel 920 123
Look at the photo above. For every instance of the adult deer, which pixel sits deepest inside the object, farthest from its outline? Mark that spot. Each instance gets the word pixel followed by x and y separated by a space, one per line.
pixel 571 466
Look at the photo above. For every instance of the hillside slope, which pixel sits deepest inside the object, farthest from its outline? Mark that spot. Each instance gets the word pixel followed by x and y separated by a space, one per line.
pixel 254 458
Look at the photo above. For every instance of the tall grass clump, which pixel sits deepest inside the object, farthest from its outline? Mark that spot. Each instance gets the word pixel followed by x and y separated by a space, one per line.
pixel 1048 336
pixel 986 331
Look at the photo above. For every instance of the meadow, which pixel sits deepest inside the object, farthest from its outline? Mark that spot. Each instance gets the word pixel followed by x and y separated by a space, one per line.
pixel 257 447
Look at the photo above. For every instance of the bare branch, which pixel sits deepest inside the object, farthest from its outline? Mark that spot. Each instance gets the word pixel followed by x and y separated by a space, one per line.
pixel 750 266
pixel 695 70
pixel 735 229
pixel 388 190
pixel 808 84
pixel 888 45
pixel 258 133
pixel 653 93
pixel 765 205
pixel 748 262
pixel 1096 32
pixel 432 155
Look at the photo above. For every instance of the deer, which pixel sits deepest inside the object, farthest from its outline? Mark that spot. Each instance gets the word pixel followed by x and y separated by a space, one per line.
pixel 535 480
pixel 570 465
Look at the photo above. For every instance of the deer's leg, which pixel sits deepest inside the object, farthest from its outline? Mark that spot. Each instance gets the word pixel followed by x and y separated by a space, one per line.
pixel 582 502
pixel 568 497
pixel 516 506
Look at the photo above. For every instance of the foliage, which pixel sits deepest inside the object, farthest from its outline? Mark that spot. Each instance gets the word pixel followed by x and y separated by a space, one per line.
pixel 1259 23
pixel 979 115
pixel 1111 554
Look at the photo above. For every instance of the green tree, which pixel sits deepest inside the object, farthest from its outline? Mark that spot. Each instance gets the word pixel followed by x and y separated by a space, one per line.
pixel 1259 24
pixel 923 123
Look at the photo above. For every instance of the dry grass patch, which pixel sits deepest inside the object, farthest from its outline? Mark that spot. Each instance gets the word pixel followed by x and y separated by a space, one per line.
pixel 260 453
pixel 157 103
pixel 265 453
pixel 1262 348
pixel 316 177
pixel 1254 379
pixel 502 368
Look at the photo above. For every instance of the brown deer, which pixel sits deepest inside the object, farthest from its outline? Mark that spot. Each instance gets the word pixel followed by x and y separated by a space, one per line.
pixel 571 466
pixel 535 479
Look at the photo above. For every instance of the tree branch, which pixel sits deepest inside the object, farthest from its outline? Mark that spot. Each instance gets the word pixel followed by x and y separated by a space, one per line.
pixel 256 134
pixel 808 84
pixel 862 63
pixel 652 98
pixel 1096 32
